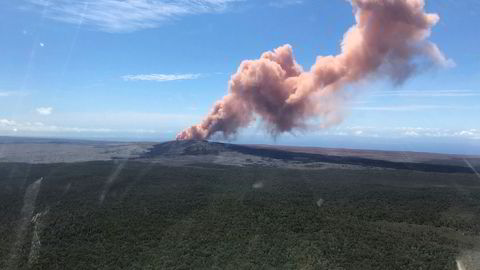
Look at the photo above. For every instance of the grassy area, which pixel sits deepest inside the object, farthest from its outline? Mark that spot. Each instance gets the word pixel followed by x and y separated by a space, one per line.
pixel 220 217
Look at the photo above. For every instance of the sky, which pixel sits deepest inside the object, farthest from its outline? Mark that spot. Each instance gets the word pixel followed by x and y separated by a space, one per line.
pixel 147 69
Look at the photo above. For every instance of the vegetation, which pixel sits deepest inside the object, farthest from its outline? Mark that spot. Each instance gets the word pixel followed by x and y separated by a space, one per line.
pixel 221 217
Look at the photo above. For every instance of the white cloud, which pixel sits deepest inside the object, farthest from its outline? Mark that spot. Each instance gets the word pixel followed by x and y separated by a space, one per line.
pixel 7 125
pixel 471 133
pixel 127 15
pixel 358 132
pixel 404 132
pixel 411 133
pixel 161 77
pixel 113 122
pixel 45 110
pixel 11 125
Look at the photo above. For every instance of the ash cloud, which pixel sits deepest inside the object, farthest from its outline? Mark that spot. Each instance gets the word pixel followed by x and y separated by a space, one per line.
pixel 389 40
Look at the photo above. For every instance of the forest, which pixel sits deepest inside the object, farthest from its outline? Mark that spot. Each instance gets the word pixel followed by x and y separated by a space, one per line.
pixel 141 215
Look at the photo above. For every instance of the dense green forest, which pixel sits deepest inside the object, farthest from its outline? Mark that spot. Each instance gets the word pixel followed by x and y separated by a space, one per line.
pixel 139 215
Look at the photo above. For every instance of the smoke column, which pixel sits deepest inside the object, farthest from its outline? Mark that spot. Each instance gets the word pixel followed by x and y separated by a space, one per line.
pixel 388 40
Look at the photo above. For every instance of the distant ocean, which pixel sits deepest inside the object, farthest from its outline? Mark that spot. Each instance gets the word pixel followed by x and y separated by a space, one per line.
pixel 433 145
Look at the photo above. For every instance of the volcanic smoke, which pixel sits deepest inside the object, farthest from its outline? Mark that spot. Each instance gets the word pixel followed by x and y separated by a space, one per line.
pixel 388 40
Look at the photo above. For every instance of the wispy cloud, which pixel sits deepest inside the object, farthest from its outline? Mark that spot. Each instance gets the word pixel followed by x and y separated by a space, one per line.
pixel 440 93
pixel 130 15
pixel 161 77
pixel 284 3
pixel 44 110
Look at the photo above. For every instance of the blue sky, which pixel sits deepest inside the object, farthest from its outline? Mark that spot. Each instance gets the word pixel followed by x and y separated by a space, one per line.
pixel 147 69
